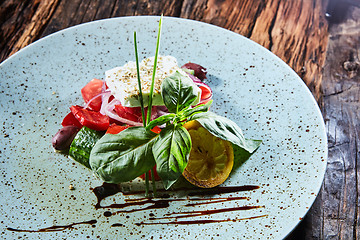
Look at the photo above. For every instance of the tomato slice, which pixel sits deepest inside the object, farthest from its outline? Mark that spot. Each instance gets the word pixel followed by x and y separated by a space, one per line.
pixel 205 92
pixel 115 129
pixel 130 113
pixel 90 119
pixel 70 120
pixel 156 129
pixel 92 89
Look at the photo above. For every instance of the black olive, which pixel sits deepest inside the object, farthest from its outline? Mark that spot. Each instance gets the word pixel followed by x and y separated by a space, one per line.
pixel 64 137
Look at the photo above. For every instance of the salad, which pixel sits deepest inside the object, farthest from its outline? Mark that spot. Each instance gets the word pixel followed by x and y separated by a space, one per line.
pixel 152 119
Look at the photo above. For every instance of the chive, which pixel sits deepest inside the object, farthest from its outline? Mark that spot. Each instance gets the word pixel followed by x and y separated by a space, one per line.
pixel 153 182
pixel 147 184
pixel 139 81
pixel 145 121
pixel 154 72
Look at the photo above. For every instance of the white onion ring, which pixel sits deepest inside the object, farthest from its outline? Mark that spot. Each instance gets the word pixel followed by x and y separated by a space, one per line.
pixel 105 101
pixel 92 99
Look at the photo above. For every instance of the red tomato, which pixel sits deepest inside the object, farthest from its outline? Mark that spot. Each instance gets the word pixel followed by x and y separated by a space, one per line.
pixel 92 89
pixel 130 113
pixel 157 178
pixel 115 129
pixel 205 92
pixel 156 129
pixel 70 120
pixel 90 119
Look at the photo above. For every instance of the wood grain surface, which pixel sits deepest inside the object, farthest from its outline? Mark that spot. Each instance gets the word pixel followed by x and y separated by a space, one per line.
pixel 325 56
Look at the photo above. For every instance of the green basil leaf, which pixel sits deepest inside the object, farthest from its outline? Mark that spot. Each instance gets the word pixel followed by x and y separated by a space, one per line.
pixel 178 92
pixel 198 109
pixel 240 156
pixel 124 156
pixel 160 121
pixel 225 129
pixel 171 151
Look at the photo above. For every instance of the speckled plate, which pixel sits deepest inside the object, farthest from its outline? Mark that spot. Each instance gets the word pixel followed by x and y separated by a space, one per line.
pixel 251 86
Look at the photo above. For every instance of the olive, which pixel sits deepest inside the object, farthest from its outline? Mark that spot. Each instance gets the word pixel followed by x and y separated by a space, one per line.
pixel 64 137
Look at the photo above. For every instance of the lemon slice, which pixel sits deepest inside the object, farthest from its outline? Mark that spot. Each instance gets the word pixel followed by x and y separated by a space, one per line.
pixel 211 158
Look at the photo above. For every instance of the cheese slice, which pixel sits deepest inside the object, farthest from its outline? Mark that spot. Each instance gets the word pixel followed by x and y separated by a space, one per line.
pixel 123 82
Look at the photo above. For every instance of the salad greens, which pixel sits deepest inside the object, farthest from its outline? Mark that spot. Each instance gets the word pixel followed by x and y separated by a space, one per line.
pixel 122 157
pixel 171 148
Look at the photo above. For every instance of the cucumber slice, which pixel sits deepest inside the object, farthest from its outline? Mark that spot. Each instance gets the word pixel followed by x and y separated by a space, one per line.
pixel 82 144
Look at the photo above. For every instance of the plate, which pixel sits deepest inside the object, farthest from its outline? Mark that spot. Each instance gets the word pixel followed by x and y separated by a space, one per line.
pixel 254 88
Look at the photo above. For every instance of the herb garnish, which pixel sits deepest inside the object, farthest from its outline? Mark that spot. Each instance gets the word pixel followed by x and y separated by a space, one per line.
pixel 122 157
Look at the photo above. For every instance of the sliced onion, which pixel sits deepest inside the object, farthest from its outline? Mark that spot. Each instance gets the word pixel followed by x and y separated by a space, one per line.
pixel 109 111
pixel 92 99
pixel 162 110
pixel 105 101
pixel 194 78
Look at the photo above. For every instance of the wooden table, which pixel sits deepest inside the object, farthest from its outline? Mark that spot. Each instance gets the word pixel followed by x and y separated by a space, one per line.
pixel 319 39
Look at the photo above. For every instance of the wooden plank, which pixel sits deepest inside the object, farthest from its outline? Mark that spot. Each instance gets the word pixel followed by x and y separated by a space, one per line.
pixel 277 26
pixel 237 16
pixel 22 22
pixel 335 213
pixel 297 35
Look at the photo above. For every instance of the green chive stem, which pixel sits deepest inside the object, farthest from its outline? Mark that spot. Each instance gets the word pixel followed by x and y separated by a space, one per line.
pixel 153 182
pixel 147 184
pixel 139 81
pixel 154 72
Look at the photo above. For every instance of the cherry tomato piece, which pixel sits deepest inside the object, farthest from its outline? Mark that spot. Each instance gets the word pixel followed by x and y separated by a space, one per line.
pixel 92 89
pixel 205 92
pixel 70 120
pixel 91 119
pixel 156 129
pixel 115 129
pixel 130 113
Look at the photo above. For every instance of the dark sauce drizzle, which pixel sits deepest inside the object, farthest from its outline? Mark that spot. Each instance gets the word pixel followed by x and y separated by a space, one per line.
pixel 203 221
pixel 54 228
pixel 108 189
pixel 205 212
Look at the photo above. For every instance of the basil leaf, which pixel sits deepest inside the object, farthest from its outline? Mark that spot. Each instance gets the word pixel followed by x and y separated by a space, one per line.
pixel 198 109
pixel 178 92
pixel 225 129
pixel 240 156
pixel 171 151
pixel 124 156
pixel 160 121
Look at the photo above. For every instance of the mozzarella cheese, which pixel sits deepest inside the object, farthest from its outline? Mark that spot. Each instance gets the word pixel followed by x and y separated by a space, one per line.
pixel 123 82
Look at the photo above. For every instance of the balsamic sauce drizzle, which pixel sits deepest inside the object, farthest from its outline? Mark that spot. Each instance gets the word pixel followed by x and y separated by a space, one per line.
pixel 107 189
pixel 202 221
pixel 205 212
pixel 54 228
